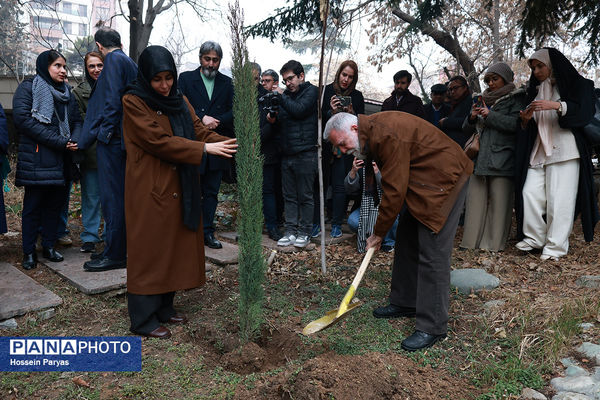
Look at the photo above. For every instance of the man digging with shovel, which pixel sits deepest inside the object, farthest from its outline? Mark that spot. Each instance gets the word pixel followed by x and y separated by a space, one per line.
pixel 425 171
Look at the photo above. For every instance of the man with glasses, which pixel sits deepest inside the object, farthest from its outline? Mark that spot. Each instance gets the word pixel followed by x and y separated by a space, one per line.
pixel 297 120
pixel 270 81
pixel 460 103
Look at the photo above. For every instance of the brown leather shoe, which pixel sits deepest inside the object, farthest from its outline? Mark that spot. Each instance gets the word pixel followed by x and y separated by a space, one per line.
pixel 178 319
pixel 161 332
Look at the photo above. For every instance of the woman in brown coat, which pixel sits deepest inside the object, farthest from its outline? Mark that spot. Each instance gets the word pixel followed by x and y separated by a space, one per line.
pixel 165 143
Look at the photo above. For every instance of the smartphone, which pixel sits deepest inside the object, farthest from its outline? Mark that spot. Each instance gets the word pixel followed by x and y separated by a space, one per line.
pixel 478 101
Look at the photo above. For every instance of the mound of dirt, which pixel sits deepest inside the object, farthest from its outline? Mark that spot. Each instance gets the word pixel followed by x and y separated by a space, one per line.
pixel 368 376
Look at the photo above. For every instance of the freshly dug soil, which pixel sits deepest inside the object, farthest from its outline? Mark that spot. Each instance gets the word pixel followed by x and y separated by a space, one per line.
pixel 369 376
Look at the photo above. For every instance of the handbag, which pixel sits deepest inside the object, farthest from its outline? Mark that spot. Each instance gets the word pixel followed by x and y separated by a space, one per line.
pixel 472 146
pixel 592 130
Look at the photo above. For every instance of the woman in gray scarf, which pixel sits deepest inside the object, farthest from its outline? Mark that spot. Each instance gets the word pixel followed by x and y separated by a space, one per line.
pixel 495 116
pixel 45 115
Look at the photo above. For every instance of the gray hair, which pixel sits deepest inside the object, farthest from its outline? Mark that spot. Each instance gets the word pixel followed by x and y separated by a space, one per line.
pixel 341 122
pixel 272 74
pixel 256 66
pixel 209 46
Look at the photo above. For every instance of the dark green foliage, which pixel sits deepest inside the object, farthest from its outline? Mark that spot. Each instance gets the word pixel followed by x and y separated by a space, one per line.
pixel 80 47
pixel 12 38
pixel 541 19
pixel 249 179
pixel 302 15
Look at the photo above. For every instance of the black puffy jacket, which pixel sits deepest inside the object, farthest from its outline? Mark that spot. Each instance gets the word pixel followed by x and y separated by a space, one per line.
pixel 42 149
pixel 298 117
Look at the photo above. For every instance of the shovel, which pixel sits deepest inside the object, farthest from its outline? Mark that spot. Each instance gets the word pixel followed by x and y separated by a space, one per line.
pixel 333 316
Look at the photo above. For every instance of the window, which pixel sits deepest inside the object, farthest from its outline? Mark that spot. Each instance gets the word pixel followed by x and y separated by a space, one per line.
pixel 67 8
pixel 68 27
pixel 82 29
pixel 82 10
pixel 47 23
pixel 103 13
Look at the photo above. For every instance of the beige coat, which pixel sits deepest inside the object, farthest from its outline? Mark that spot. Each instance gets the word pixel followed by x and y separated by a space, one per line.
pixel 419 165
pixel 162 254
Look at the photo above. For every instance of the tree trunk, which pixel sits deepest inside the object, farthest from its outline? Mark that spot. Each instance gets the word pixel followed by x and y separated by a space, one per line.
pixel 496 47
pixel 140 28
pixel 448 43
pixel 135 27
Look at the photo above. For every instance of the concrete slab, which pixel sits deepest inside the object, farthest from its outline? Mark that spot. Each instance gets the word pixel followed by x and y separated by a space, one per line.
pixel 87 282
pixel 329 240
pixel 267 242
pixel 19 294
pixel 226 255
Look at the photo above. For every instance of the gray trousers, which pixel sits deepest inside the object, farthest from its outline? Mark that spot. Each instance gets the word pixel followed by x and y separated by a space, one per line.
pixel 421 271
pixel 488 212
pixel 298 174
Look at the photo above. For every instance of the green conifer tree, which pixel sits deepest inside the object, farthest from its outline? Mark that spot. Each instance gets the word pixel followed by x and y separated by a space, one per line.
pixel 249 180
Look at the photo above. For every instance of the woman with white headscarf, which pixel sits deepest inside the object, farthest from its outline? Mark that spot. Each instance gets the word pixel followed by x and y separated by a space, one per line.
pixel 554 171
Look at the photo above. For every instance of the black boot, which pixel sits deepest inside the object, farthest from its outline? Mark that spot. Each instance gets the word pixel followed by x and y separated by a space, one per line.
pixel 52 255
pixel 29 261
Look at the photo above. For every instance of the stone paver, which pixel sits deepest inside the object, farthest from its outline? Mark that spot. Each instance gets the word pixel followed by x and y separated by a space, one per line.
pixel 9 324
pixel 589 281
pixel 329 240
pixel 266 242
pixel 87 282
pixel 227 255
pixel 571 396
pixel 19 294
pixel 530 394
pixel 474 279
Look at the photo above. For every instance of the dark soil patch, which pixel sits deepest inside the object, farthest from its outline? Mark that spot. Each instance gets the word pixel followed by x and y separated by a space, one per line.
pixel 273 349
pixel 368 376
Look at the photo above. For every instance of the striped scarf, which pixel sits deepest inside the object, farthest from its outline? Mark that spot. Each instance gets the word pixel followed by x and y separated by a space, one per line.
pixel 43 107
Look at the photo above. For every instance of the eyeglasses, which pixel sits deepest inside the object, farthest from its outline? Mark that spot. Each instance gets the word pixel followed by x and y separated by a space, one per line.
pixel 453 88
pixel 289 79
pixel 267 80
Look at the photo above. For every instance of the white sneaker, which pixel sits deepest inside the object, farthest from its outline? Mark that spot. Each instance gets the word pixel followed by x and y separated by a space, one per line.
pixel 287 240
pixel 545 257
pixel 523 246
pixel 302 241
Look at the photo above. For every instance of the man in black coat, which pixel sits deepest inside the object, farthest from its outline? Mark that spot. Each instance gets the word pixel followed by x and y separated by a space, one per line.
pixel 268 107
pixel 103 121
pixel 211 94
pixel 297 121
pixel 460 102
pixel 437 108
pixel 402 99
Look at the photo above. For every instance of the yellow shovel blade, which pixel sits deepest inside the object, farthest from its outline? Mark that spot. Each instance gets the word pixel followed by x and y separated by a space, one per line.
pixel 331 317
pixel 345 301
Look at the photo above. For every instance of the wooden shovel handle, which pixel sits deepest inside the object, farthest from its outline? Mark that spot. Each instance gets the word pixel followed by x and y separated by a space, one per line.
pixel 363 267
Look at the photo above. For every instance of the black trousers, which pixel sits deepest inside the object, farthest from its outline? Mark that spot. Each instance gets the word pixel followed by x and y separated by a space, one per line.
pixel 147 311
pixel 42 206
pixel 421 271
pixel 111 179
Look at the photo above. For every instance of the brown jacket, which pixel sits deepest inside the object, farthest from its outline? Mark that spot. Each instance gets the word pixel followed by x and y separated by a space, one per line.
pixel 419 165
pixel 162 254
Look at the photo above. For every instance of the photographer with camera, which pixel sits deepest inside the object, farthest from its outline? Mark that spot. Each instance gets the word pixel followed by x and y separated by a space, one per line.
pixel 339 96
pixel 270 81
pixel 268 107
pixel 298 120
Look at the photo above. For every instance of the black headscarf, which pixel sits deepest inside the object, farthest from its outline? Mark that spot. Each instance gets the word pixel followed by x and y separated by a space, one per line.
pixel 564 73
pixel 41 69
pixel 155 59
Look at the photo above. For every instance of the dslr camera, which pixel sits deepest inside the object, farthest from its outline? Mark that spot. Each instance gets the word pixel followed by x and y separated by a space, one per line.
pixel 270 102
